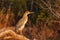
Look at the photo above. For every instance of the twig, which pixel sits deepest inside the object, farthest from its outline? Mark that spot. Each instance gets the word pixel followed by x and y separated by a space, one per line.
pixel 51 9
pixel 31 5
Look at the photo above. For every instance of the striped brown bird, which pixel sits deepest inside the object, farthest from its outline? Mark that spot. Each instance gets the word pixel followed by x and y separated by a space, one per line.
pixel 21 23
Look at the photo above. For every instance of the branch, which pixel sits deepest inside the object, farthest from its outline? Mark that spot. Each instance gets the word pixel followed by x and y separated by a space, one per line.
pixel 51 9
pixel 13 34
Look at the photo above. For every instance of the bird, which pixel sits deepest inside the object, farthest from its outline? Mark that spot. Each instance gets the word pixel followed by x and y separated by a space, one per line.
pixel 21 23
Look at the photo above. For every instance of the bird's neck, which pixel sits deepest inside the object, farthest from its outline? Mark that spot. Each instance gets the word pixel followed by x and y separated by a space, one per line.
pixel 25 15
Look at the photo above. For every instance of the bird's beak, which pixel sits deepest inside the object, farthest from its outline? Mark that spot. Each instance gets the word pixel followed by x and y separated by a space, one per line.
pixel 31 12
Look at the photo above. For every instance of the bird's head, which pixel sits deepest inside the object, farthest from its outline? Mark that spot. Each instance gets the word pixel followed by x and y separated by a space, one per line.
pixel 28 12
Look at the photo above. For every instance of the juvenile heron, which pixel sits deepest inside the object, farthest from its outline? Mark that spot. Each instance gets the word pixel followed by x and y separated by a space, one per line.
pixel 21 23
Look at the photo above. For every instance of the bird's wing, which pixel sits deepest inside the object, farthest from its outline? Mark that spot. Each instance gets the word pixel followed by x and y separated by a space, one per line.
pixel 21 22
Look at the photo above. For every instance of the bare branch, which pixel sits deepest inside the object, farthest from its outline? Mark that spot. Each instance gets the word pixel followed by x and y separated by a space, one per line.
pixel 55 13
pixel 13 34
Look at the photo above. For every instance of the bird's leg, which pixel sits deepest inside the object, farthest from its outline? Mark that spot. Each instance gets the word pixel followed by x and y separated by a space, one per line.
pixel 20 32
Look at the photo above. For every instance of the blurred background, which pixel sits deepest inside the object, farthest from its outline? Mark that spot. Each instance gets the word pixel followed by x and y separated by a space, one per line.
pixel 44 24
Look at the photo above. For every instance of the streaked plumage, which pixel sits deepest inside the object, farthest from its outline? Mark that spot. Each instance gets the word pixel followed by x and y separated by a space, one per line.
pixel 21 23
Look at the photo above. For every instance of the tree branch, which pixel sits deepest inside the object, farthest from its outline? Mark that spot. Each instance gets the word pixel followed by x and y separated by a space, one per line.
pixel 13 34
